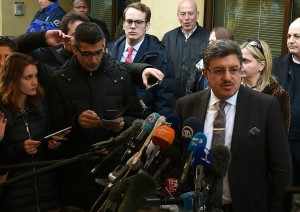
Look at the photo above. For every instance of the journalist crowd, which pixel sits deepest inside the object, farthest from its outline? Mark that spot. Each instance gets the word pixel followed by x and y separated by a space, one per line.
pixel 192 122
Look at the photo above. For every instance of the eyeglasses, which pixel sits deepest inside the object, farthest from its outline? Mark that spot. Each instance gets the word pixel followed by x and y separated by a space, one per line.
pixel 7 38
pixel 137 23
pixel 88 54
pixel 222 71
pixel 256 44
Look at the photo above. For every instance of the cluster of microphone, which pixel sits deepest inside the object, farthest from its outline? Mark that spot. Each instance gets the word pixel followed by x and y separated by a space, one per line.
pixel 148 149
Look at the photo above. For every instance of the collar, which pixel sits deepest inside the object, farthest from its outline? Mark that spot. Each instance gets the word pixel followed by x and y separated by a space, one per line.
pixel 135 47
pixel 52 7
pixel 213 99
pixel 187 35
pixel 294 60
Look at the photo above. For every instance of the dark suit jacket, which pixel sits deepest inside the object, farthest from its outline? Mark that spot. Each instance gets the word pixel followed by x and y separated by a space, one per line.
pixel 261 168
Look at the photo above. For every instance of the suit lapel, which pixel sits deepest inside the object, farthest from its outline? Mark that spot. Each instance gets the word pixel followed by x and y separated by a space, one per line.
pixel 121 49
pixel 242 114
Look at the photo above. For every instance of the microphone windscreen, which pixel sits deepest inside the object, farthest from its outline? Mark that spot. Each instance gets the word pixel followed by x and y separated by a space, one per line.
pixel 201 156
pixel 132 131
pixel 188 199
pixel 190 127
pixel 198 139
pixel 140 186
pixel 220 161
pixel 149 122
pixel 163 136
pixel 173 121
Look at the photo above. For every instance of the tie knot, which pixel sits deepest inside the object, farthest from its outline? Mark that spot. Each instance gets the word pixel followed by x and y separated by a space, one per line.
pixel 130 50
pixel 221 105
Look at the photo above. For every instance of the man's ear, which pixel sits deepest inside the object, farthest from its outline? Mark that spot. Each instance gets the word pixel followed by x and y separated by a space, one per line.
pixel 147 26
pixel 74 49
pixel 204 71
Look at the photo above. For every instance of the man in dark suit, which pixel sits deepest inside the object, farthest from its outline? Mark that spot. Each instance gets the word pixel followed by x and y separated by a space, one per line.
pixel 287 70
pixel 260 167
pixel 146 49
pixel 83 7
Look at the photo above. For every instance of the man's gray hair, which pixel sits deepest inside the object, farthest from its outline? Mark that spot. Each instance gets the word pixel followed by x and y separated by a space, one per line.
pixel 220 49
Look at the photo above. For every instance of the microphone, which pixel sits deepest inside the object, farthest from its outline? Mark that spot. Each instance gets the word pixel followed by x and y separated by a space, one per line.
pixel 201 159
pixel 198 139
pixel 173 121
pixel 163 137
pixel 184 201
pixel 191 126
pixel 220 161
pixel 132 131
pixel 169 155
pixel 137 156
pixel 134 189
pixel 171 185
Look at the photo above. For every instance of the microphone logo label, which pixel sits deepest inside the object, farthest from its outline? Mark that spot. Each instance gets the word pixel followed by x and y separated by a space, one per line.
pixel 187 132
pixel 205 159
pixel 162 131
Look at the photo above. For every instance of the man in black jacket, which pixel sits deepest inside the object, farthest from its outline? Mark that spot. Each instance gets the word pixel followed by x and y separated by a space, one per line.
pixel 185 44
pixel 83 7
pixel 83 93
pixel 287 70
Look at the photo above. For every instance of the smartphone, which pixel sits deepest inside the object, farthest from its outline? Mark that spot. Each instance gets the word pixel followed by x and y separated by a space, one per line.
pixel 151 86
pixel 56 133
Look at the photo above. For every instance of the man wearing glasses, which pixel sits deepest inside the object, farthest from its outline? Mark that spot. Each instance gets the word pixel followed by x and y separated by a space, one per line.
pixel 138 47
pixel 88 93
pixel 260 168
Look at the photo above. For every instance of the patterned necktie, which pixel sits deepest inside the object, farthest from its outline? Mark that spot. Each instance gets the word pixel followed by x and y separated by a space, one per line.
pixel 128 59
pixel 218 138
pixel 219 124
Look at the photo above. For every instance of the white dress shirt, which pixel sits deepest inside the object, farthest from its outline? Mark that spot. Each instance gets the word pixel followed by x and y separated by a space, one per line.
pixel 211 113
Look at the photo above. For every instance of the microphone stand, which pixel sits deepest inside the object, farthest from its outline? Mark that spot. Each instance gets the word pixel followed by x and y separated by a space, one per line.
pixel 42 170
pixel 25 165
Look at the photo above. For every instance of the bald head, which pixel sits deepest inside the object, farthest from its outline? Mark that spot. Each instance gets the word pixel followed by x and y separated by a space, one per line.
pixel 187 15
pixel 191 4
pixel 293 39
pixel 295 22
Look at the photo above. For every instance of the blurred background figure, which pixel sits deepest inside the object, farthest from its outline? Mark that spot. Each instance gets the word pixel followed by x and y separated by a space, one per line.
pixel 48 17
pixel 197 81
pixel 83 7
pixel 185 44
pixel 7 46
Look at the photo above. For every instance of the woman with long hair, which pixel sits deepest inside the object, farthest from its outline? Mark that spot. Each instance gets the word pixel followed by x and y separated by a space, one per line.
pixel 24 108
pixel 257 74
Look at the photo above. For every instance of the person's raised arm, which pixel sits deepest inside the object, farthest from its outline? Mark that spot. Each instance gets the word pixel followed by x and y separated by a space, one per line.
pixel 28 42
